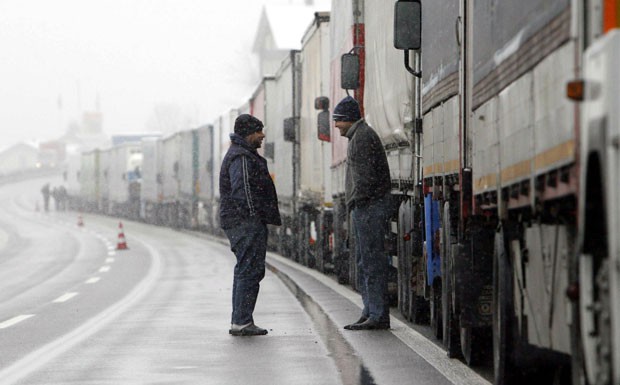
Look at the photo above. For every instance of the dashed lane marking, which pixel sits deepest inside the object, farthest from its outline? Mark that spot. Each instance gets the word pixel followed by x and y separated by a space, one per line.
pixel 104 269
pixel 15 320
pixel 111 252
pixel 65 297
pixel 109 260
pixel 37 359
pixel 93 280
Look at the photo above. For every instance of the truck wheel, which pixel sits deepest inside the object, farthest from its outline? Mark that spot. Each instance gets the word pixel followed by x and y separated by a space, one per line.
pixel 435 305
pixel 503 336
pixel 473 344
pixel 450 321
pixel 418 309
pixel 404 302
pixel 451 338
pixel 419 312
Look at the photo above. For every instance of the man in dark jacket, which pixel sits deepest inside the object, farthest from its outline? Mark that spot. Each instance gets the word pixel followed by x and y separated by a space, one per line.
pixel 367 193
pixel 248 204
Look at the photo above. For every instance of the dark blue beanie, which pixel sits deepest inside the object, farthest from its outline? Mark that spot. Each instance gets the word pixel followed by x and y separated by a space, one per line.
pixel 348 110
pixel 246 124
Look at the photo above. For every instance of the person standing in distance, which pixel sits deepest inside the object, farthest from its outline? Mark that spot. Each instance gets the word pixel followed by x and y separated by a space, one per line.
pixel 248 204
pixel 368 199
pixel 45 190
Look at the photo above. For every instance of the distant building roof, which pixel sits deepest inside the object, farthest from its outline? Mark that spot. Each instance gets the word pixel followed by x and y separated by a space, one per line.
pixel 21 145
pixel 18 157
pixel 286 24
pixel 281 28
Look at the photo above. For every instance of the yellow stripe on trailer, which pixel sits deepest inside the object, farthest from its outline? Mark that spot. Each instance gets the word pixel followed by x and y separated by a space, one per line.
pixel 485 183
pixel 441 168
pixel 562 152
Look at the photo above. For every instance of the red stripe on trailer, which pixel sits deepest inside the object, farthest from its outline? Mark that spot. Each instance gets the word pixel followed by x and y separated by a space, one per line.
pixel 359 40
pixel 611 15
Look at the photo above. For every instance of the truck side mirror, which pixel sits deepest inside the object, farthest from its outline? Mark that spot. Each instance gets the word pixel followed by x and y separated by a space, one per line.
pixel 324 128
pixel 321 103
pixel 350 71
pixel 408 29
pixel 290 129
pixel 407 24
pixel 269 150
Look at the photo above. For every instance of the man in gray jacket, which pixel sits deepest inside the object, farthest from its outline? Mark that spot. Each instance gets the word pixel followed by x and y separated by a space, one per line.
pixel 367 190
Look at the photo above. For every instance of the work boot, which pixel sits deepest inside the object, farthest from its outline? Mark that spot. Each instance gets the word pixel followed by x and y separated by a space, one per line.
pixel 247 330
pixel 359 321
pixel 370 324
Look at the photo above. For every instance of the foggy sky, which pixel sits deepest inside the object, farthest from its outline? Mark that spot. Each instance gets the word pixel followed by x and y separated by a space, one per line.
pixel 59 57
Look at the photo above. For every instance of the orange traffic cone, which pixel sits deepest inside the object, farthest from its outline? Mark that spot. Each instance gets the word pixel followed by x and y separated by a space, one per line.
pixel 122 244
pixel 80 222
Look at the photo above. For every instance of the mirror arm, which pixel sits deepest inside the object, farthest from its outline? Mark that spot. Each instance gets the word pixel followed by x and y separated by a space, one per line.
pixel 415 73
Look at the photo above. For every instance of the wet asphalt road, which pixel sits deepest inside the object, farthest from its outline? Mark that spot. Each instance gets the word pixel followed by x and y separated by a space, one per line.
pixel 74 310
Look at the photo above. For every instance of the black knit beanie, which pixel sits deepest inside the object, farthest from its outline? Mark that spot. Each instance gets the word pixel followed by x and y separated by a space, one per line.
pixel 246 124
pixel 348 110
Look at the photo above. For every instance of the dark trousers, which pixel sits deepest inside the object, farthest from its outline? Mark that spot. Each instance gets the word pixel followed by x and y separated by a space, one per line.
pixel 249 243
pixel 369 225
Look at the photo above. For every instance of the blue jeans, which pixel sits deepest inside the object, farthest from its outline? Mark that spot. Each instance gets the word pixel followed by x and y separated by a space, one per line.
pixel 369 225
pixel 249 243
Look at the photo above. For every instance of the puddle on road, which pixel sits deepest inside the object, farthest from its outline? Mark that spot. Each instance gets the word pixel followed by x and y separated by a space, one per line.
pixel 352 370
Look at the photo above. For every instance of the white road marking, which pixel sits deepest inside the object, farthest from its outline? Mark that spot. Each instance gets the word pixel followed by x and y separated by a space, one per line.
pixel 42 356
pixel 65 297
pixel 111 252
pixel 109 260
pixel 15 320
pixel 104 269
pixel 93 280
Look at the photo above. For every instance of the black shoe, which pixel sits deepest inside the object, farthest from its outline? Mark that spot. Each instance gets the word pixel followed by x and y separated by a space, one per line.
pixel 359 321
pixel 370 324
pixel 250 330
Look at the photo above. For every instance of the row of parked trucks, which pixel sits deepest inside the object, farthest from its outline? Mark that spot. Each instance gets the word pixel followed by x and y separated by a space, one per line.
pixel 500 122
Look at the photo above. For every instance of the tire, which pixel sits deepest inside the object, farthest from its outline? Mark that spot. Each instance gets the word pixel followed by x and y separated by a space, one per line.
pixel 578 364
pixel 304 247
pixel 418 310
pixel 451 337
pixel 450 324
pixel 473 344
pixel 419 307
pixel 320 243
pixel 404 293
pixel 435 307
pixel 503 336
pixel 404 266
